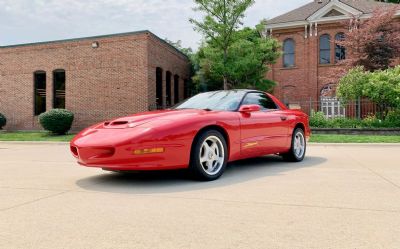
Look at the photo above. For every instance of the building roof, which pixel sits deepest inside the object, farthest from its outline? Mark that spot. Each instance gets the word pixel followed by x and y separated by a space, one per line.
pixel 305 11
pixel 98 37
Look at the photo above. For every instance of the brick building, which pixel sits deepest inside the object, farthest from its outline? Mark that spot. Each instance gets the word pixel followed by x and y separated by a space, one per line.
pixel 308 35
pixel 96 78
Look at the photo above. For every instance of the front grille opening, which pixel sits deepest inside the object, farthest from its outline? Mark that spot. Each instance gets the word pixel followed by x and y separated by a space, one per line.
pixel 74 151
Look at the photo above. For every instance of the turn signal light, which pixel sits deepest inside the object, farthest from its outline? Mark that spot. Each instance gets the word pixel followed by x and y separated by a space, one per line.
pixel 148 151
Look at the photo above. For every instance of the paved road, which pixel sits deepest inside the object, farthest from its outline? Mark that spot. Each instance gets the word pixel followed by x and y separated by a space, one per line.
pixel 339 197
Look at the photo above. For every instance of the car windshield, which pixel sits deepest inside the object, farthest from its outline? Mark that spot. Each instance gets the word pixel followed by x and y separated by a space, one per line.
pixel 214 101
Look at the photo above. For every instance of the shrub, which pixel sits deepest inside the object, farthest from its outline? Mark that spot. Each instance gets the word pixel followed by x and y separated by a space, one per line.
pixel 57 121
pixel 344 123
pixel 393 118
pixel 318 120
pixel 371 121
pixel 3 121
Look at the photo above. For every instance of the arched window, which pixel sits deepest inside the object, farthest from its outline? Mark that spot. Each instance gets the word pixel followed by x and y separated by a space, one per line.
pixel 159 87
pixel 288 53
pixel 325 49
pixel 168 88
pixel 176 89
pixel 59 88
pixel 340 51
pixel 39 82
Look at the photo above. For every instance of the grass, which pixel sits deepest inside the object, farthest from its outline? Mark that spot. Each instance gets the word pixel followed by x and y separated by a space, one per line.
pixel 33 136
pixel 315 138
pixel 323 138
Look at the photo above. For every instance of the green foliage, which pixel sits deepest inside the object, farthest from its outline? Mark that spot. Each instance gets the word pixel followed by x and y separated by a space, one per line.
pixel 3 121
pixel 246 62
pixel 57 121
pixel 318 120
pixel 222 18
pixel 393 118
pixel 352 84
pixel 381 87
pixel 178 45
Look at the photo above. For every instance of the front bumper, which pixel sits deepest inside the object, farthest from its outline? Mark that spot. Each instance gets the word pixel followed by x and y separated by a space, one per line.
pixel 115 150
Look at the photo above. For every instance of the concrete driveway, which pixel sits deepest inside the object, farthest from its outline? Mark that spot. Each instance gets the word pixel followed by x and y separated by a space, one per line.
pixel 340 196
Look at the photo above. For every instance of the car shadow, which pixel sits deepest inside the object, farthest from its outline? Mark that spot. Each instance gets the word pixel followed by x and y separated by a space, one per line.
pixel 179 181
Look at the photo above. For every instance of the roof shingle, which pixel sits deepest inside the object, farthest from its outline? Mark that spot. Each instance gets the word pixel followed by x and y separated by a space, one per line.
pixel 305 11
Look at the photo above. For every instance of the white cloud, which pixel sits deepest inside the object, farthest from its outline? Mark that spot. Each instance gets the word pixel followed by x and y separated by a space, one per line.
pixel 24 21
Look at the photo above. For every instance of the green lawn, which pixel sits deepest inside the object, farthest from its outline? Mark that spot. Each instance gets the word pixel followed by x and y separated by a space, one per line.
pixel 322 138
pixel 33 136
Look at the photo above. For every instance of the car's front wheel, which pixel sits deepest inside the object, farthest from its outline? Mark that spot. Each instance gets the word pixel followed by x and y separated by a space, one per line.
pixel 209 156
pixel 298 148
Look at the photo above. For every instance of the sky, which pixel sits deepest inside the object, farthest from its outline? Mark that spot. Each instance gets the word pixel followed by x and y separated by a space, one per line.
pixel 26 21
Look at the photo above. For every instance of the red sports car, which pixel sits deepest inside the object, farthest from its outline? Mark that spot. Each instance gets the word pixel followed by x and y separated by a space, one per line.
pixel 203 134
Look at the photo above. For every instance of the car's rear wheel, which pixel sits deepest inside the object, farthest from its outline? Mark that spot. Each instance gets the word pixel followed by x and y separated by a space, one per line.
pixel 298 148
pixel 209 156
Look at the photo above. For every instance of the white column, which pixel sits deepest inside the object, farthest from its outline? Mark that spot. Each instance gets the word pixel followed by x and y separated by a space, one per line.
pixel 305 31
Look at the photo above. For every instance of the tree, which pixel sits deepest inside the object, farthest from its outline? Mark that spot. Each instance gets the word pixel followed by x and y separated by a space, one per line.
pixel 222 18
pixel 244 66
pixel 381 87
pixel 373 44
pixel 178 45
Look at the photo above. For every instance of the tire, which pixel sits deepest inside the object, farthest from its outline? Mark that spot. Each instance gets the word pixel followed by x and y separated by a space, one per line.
pixel 209 156
pixel 296 153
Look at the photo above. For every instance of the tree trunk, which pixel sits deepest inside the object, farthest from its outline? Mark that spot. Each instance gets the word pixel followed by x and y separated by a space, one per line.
pixel 225 83
pixel 225 76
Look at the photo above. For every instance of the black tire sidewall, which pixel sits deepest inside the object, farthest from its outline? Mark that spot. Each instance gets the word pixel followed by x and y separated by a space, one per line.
pixel 195 165
pixel 293 154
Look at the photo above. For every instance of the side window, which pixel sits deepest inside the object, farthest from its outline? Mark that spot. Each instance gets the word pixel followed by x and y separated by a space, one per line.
pixel 260 99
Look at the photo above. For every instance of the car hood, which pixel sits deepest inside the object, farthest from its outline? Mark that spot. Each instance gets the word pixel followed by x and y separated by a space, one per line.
pixel 147 117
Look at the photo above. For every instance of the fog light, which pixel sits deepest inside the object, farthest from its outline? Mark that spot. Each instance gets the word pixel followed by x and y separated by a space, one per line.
pixel 148 151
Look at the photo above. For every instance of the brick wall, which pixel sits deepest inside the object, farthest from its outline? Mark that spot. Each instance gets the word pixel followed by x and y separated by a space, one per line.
pixel 115 79
pixel 169 61
pixel 303 83
pixel 305 80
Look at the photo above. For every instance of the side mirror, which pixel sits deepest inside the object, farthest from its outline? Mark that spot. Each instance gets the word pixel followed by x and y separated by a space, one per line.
pixel 249 108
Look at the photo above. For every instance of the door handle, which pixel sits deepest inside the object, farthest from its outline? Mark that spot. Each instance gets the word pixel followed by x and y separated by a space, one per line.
pixel 283 118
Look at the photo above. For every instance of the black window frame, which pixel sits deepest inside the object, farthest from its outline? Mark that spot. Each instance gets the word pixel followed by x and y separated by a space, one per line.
pixel 176 88
pixel 262 109
pixel 37 110
pixel 168 88
pixel 55 95
pixel 286 53
pixel 159 87
pixel 338 48
pixel 323 49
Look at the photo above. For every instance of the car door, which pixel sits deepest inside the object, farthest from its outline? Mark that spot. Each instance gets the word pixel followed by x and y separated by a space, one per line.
pixel 265 131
